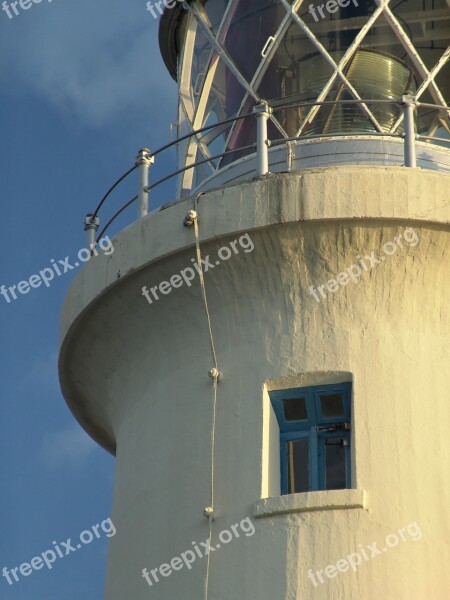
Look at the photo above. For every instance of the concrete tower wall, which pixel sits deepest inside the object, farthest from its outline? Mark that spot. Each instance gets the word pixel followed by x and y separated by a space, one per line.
pixel 135 376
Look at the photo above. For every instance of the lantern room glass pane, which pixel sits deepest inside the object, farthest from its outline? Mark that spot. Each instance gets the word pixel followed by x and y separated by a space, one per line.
pixel 336 30
pixel 252 23
pixel 215 10
pixel 200 61
pixel 290 65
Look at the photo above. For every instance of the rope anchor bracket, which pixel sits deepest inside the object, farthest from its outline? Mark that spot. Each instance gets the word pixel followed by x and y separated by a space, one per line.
pixel 215 374
pixel 190 218
pixel 208 512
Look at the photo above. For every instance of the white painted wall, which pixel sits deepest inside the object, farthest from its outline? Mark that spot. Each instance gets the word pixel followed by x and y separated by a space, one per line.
pixel 135 375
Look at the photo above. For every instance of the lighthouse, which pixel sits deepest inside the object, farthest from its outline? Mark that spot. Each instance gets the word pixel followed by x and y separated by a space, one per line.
pixel 268 354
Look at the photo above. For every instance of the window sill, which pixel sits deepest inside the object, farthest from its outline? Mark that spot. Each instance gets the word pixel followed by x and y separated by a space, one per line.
pixel 310 501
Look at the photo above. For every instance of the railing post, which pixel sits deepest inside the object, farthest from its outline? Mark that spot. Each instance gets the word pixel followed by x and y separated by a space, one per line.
pixel 143 161
pixel 91 226
pixel 409 104
pixel 262 112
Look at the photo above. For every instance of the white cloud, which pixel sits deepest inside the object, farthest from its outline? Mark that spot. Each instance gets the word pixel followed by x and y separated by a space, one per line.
pixel 42 374
pixel 67 447
pixel 97 62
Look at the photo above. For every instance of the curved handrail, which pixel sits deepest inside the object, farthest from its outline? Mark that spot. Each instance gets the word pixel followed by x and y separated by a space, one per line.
pixel 405 102
pixel 111 189
pixel 154 185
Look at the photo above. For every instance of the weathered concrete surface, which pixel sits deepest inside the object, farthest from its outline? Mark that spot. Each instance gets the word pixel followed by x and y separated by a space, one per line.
pixel 135 375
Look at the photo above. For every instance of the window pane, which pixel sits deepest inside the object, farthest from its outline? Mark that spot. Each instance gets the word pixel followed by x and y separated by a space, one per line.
pixel 295 409
pixel 298 466
pixel 335 465
pixel 332 405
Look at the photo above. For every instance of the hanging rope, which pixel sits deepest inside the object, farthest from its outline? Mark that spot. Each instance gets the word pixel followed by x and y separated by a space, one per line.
pixel 215 377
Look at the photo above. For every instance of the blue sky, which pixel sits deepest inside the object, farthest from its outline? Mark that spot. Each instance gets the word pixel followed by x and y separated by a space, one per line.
pixel 82 88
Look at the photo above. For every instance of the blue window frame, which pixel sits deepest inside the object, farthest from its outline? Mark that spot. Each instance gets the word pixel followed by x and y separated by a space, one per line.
pixel 314 436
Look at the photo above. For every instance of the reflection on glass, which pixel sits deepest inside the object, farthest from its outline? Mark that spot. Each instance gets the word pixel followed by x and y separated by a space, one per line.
pixel 332 406
pixel 215 10
pixel 252 22
pixel 295 409
pixel 298 466
pixel 335 467
pixel 376 71
pixel 200 62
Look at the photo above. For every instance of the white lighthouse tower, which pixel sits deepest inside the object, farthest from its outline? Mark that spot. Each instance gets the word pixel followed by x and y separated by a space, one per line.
pixel 268 356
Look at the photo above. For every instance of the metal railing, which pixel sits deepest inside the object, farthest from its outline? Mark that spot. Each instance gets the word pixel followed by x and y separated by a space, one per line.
pixel 262 114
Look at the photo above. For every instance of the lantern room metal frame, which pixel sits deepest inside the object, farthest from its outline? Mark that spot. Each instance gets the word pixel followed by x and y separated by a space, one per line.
pixel 193 115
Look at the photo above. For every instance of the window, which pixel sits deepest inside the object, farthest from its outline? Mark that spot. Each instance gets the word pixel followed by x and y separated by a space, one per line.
pixel 315 437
